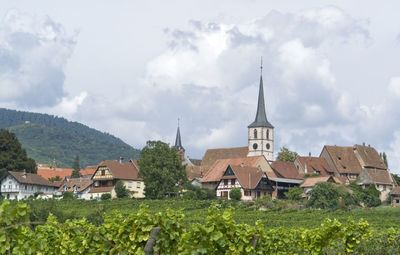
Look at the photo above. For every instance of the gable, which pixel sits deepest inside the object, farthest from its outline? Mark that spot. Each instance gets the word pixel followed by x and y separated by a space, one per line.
pixel 103 173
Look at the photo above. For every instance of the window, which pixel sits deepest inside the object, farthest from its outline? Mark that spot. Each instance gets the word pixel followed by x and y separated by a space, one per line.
pixel 138 184
pixel 255 146
pixel 26 187
pixel 224 194
pixel 103 172
pixel 129 184
pixel 397 201
pixel 255 133
pixel 233 182
pixel 247 193
pixel 226 182
pixel 267 134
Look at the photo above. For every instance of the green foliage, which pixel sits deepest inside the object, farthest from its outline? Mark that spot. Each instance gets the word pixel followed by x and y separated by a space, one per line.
pixel 55 179
pixel 286 155
pixel 235 194
pixel 105 196
pixel 384 158
pixel 68 195
pixel 369 196
pixel 121 190
pixel 47 137
pixel 324 195
pixel 76 168
pixel 161 169
pixel 396 178
pixel 197 193
pixel 294 193
pixel 219 234
pixel 12 156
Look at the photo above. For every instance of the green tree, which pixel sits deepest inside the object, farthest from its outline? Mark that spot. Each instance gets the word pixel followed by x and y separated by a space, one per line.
pixel 286 155
pixel 384 158
pixel 324 195
pixel 235 194
pixel 76 172
pixel 68 195
pixel 294 193
pixel 161 169
pixel 105 196
pixel 121 190
pixel 12 156
pixel 396 178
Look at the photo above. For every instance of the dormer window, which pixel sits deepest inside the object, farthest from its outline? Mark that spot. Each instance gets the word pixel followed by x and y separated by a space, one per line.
pixel 340 158
pixel 255 133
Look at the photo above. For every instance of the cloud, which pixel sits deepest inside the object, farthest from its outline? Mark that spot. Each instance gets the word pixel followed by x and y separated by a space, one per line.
pixel 33 53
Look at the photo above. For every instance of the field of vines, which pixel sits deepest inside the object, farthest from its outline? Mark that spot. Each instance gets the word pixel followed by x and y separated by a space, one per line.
pixel 219 231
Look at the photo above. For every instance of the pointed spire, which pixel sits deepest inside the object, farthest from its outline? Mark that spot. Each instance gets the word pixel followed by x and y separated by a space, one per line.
pixel 261 117
pixel 178 142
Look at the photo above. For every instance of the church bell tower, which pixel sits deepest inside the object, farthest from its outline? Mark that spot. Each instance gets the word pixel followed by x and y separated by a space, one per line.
pixel 261 132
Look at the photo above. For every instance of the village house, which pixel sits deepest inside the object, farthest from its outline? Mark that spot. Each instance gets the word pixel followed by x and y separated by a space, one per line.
pixel 21 185
pixel 395 196
pixel 252 182
pixel 51 172
pixel 109 172
pixel 310 182
pixel 80 187
pixel 313 165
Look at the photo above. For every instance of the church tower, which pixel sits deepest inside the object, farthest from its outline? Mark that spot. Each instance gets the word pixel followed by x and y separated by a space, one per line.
pixel 178 143
pixel 261 132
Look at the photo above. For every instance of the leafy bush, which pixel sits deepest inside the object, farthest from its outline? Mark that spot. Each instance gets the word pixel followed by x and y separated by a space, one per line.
pixel 105 196
pixel 235 194
pixel 294 193
pixel 121 190
pixel 197 193
pixel 68 195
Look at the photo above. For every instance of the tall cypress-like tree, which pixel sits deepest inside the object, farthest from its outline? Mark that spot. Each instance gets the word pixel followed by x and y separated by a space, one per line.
pixel 12 156
pixel 76 172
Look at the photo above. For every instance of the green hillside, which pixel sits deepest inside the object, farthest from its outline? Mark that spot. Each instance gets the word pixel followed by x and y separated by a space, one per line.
pixel 47 138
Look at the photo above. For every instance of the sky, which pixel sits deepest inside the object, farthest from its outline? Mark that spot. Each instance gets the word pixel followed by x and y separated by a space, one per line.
pixel 132 68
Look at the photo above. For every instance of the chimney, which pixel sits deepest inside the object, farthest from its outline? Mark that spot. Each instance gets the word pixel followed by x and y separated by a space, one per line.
pixel 120 160
pixel 363 143
pixel 24 175
pixel 309 155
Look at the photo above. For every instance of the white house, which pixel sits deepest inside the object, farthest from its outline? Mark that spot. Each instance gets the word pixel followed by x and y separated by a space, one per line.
pixel 80 187
pixel 20 185
pixel 252 181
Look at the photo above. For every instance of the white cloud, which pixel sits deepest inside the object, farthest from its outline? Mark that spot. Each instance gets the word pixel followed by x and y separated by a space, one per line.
pixel 394 86
pixel 33 53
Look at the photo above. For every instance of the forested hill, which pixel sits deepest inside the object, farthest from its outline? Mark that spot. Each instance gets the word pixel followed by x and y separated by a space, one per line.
pixel 46 137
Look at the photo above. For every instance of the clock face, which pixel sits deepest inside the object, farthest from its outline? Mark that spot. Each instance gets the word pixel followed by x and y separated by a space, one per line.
pixel 255 146
pixel 268 146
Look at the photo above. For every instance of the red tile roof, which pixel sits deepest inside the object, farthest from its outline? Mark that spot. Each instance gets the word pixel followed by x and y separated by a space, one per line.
pixel 344 159
pixel 28 178
pixel 248 176
pixel 396 190
pixel 124 171
pixel 80 184
pixel 213 155
pixel 62 172
pixel 193 172
pixel 312 181
pixel 216 171
pixel 286 169
pixel 370 157
pixel 315 164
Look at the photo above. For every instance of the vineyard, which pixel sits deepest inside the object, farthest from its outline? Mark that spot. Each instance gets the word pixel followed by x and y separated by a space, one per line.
pixel 219 233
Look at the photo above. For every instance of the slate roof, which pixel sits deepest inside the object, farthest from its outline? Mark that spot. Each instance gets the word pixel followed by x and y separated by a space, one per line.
pixel 370 157
pixel 285 169
pixel 217 170
pixel 178 141
pixel 344 159
pixel 247 176
pixel 124 171
pixel 261 116
pixel 30 179
pixel 315 164
pixel 80 184
pixel 213 155
pixel 312 181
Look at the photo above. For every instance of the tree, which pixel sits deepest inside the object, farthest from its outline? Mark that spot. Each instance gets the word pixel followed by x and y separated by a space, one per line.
pixel 235 194
pixel 294 193
pixel 121 190
pixel 324 195
pixel 76 172
pixel 396 178
pixel 105 196
pixel 161 169
pixel 68 195
pixel 384 158
pixel 286 155
pixel 12 156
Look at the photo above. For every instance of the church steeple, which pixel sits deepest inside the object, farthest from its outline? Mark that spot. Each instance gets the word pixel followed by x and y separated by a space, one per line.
pixel 178 141
pixel 261 117
pixel 261 132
